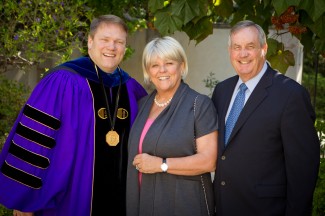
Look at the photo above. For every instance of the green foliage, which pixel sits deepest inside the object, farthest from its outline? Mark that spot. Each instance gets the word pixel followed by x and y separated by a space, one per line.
pixel 210 82
pixel 13 95
pixel 133 11
pixel 315 84
pixel 316 88
pixel 319 194
pixel 34 30
pixel 196 19
pixel 318 99
pixel 320 127
pixel 182 15
pixel 4 211
pixel 279 58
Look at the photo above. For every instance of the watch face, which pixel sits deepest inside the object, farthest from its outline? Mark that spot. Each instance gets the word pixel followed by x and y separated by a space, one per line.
pixel 164 167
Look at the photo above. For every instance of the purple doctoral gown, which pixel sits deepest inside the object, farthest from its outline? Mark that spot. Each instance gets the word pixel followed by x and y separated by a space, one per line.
pixel 47 162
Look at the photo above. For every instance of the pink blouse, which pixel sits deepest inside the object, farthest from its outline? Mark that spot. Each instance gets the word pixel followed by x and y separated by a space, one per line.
pixel 143 134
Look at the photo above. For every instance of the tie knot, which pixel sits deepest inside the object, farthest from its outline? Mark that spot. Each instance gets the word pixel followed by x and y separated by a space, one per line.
pixel 242 87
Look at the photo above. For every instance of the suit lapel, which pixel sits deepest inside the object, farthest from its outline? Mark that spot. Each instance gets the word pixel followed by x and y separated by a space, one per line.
pixel 255 99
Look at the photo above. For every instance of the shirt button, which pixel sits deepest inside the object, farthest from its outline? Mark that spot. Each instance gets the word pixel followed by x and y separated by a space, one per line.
pixel 223 157
pixel 223 183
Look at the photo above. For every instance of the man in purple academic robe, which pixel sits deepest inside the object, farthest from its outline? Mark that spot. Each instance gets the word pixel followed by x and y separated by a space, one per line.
pixel 57 159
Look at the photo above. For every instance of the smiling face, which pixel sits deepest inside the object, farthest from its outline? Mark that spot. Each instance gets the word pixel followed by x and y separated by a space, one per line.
pixel 246 54
pixel 166 75
pixel 107 46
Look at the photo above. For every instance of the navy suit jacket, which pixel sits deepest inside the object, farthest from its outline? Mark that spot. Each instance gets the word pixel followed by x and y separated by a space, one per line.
pixel 270 165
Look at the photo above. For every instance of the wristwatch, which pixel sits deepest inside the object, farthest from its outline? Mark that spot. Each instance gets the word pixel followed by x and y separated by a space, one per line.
pixel 164 166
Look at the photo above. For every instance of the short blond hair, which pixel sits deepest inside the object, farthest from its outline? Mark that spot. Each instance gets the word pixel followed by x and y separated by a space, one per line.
pixel 164 48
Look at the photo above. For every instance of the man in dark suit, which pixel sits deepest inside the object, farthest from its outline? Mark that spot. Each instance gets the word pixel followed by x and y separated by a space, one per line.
pixel 269 164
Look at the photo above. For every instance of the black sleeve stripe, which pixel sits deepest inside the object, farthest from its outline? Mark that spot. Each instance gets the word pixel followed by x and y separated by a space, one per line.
pixel 28 156
pixel 41 117
pixel 21 176
pixel 34 136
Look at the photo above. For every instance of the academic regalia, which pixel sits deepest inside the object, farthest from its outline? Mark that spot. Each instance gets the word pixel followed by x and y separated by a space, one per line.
pixel 47 164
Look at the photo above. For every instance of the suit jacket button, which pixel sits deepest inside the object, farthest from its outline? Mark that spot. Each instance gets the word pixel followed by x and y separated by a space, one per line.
pixel 223 157
pixel 223 183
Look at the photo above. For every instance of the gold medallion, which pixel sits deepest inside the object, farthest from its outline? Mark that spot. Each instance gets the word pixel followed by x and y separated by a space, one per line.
pixel 112 138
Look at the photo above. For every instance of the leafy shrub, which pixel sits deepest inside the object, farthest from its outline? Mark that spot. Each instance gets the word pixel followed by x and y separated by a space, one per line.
pixel 4 211
pixel 33 31
pixel 13 95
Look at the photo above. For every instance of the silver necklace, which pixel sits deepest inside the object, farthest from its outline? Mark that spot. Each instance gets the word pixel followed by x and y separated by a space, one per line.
pixel 162 104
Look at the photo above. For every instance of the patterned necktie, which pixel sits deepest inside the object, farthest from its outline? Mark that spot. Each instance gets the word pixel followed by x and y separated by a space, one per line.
pixel 235 111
